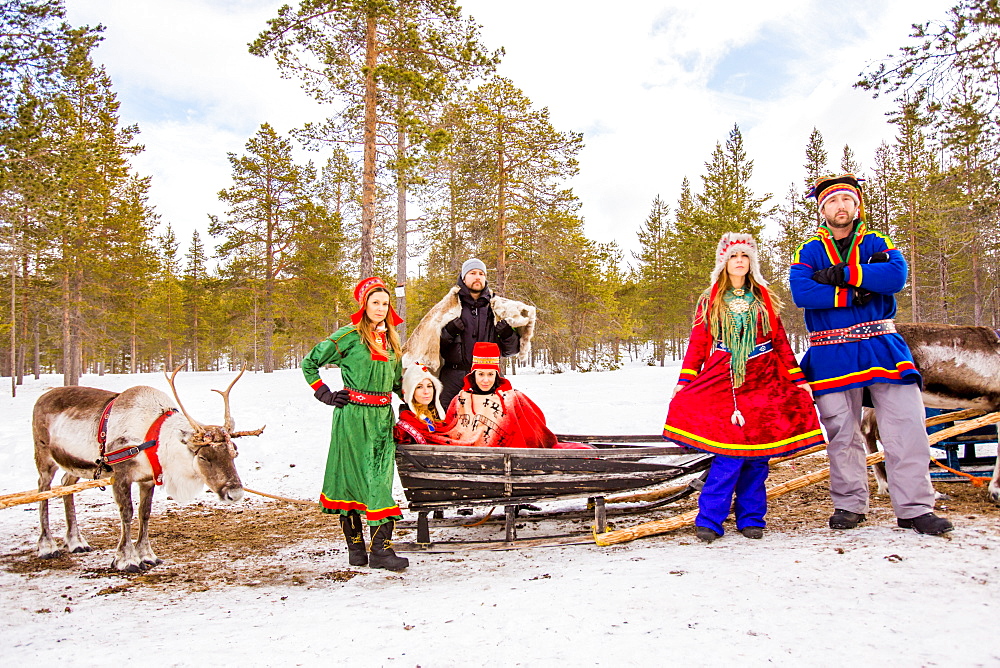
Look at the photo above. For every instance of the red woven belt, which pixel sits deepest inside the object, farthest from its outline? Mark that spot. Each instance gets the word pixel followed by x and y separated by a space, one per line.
pixel 369 398
pixel 864 330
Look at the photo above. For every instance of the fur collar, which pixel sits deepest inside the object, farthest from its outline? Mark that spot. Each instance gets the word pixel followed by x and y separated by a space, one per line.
pixel 424 343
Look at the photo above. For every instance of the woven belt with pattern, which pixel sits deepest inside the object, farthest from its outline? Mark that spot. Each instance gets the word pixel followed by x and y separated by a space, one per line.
pixel 757 350
pixel 864 330
pixel 369 398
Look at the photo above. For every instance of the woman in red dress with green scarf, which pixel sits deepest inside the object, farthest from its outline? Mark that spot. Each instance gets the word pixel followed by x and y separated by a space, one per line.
pixel 359 467
pixel 741 394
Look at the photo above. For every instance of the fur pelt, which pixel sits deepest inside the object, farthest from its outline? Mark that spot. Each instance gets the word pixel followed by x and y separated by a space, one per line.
pixel 424 343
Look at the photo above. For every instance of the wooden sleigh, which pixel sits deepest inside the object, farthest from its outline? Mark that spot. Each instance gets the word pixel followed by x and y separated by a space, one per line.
pixel 439 477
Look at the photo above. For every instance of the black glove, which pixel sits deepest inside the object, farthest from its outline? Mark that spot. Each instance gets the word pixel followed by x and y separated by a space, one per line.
pixel 504 330
pixel 455 327
pixel 832 275
pixel 878 257
pixel 338 398
pixel 862 296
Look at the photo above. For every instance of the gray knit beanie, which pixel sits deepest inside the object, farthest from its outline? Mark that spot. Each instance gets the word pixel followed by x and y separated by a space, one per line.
pixel 470 264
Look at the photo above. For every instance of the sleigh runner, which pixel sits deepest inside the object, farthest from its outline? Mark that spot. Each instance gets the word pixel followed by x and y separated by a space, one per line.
pixel 436 477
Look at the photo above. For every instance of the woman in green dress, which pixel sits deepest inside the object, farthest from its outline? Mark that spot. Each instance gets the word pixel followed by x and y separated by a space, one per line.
pixel 359 467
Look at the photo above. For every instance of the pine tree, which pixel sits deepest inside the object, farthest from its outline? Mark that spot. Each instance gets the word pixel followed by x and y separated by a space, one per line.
pixel 726 201
pixel 88 163
pixel 524 160
pixel 168 294
pixel 195 297
pixel 375 53
pixel 656 277
pixel 268 204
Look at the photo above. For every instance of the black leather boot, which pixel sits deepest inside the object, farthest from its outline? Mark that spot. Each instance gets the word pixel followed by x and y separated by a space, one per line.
pixel 382 555
pixel 357 552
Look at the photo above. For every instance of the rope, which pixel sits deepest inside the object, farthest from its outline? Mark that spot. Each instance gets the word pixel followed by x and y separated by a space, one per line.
pixel 20 498
pixel 280 498
pixel 975 480
pixel 482 521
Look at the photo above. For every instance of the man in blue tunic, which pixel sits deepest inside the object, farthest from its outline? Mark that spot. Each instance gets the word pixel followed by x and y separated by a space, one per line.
pixel 845 279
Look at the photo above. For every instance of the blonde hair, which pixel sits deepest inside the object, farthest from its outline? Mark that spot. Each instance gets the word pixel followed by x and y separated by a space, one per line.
pixel 426 410
pixel 714 314
pixel 366 328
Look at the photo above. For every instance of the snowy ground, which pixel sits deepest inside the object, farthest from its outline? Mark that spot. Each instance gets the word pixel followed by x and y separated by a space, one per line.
pixel 813 597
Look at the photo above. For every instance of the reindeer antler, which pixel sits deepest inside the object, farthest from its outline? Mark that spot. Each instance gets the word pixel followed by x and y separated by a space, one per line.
pixel 255 432
pixel 229 424
pixel 198 427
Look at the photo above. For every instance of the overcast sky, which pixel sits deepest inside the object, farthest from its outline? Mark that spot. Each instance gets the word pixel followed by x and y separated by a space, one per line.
pixel 652 85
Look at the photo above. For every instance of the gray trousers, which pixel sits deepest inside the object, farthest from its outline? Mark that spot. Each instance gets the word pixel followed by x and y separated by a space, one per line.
pixel 899 412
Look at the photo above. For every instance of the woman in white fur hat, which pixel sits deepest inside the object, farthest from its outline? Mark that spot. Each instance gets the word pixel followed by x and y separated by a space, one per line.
pixel 741 394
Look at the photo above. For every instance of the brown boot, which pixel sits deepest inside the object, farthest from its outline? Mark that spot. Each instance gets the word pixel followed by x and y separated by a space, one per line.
pixel 382 555
pixel 357 552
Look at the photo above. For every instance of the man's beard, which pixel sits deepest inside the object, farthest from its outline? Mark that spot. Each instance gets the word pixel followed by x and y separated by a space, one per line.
pixel 849 220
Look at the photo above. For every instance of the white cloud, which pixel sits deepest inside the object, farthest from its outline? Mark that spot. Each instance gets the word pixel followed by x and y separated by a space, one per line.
pixel 653 85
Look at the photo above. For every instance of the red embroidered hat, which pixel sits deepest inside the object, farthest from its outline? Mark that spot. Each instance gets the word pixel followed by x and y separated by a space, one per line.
pixel 486 355
pixel 361 292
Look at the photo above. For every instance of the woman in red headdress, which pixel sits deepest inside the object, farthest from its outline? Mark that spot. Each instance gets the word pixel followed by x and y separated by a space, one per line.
pixel 359 467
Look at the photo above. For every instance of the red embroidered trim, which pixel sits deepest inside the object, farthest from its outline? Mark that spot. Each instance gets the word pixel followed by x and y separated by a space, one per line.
pixel 412 431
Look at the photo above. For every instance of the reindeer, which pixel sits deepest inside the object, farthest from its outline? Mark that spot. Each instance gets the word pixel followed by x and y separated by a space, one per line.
pixel 140 438
pixel 960 365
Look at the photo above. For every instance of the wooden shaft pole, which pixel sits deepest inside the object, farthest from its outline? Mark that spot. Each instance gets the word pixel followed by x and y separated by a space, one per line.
pixel 20 498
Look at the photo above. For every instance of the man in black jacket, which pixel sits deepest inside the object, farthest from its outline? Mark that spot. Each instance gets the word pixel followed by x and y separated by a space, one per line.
pixel 474 325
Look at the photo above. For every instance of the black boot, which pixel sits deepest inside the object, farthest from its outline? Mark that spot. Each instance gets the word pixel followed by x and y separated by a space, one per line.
pixel 845 519
pixel 929 523
pixel 357 552
pixel 382 555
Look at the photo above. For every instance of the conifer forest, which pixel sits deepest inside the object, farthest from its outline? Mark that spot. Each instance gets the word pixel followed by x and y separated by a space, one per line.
pixel 429 157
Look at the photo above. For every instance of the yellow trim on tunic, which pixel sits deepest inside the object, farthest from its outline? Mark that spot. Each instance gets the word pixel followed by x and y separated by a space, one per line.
pixel 745 446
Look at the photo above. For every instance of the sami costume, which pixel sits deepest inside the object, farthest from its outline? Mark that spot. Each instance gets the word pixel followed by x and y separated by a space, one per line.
pixel 359 467
pixel 853 341
pixel 741 395
pixel 500 417
pixel 846 287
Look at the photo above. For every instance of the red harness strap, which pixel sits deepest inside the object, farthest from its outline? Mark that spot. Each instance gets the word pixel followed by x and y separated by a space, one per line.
pixel 102 426
pixel 153 434
pixel 150 446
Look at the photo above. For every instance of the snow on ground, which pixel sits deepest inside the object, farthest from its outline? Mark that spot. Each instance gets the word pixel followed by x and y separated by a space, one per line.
pixel 815 597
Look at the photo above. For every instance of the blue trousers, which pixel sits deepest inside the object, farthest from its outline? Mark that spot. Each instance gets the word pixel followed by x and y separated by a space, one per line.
pixel 743 475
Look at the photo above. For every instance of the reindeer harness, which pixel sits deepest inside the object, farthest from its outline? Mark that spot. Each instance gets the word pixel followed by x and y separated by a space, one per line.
pixel 149 446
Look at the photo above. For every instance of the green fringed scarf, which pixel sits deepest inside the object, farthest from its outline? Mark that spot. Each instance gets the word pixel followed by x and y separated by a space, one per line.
pixel 738 330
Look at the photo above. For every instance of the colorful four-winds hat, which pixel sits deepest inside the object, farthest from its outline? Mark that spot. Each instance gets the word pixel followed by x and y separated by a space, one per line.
pixel 361 292
pixel 828 186
pixel 486 355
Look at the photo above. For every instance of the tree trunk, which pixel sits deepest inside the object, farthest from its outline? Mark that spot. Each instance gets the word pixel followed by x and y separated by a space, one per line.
pixel 502 218
pixel 269 298
pixel 401 231
pixel 367 267
pixel 914 313
pixel 38 351
pixel 13 314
